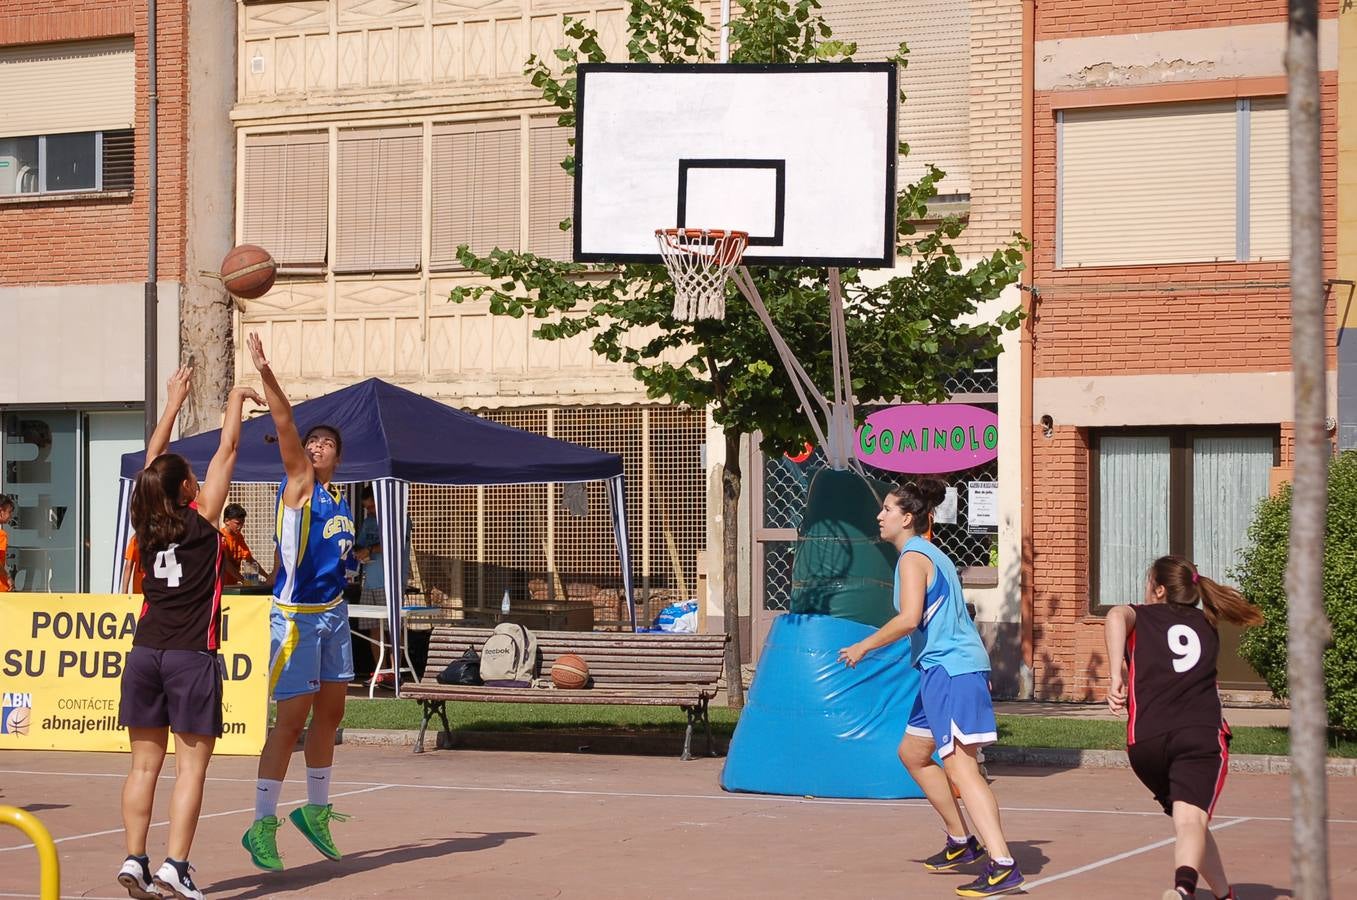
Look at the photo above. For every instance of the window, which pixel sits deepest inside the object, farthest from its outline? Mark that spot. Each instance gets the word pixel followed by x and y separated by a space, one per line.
pixel 476 198
pixel 1186 491
pixel 286 197
pixel 1172 183
pixel 64 163
pixel 378 195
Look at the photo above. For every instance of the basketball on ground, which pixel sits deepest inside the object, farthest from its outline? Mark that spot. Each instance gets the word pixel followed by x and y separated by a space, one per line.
pixel 569 672
pixel 248 271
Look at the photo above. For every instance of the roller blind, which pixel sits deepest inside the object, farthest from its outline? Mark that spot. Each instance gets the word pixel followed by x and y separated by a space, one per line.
pixel 286 196
pixel 378 200
pixel 1149 184
pixel 935 117
pixel 64 88
pixel 475 189
pixel 550 192
pixel 1269 203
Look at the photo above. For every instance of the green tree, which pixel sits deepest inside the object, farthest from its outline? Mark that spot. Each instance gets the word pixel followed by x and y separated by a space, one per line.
pixel 1262 579
pixel 906 334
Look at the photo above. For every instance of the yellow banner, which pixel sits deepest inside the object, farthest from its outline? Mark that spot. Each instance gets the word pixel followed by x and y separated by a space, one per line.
pixel 61 663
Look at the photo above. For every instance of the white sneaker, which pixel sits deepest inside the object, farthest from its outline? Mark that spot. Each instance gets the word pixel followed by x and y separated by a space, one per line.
pixel 136 877
pixel 172 884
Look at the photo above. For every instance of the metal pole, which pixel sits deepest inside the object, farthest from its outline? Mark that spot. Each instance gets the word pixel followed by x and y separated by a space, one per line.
pixel 151 338
pixel 1307 626
pixel 725 31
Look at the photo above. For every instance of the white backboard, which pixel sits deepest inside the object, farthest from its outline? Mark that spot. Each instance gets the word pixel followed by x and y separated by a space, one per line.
pixel 800 156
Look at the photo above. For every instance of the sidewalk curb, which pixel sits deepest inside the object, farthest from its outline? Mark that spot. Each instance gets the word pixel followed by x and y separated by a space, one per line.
pixel 671 744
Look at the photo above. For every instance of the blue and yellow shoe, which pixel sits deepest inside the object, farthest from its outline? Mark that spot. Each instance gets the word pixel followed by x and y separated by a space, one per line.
pixel 995 880
pixel 954 854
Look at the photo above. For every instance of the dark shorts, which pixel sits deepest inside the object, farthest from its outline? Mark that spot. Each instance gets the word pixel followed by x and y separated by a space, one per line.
pixel 178 689
pixel 1187 765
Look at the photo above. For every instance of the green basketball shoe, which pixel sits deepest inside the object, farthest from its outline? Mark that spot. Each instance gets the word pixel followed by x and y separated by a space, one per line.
pixel 314 822
pixel 262 842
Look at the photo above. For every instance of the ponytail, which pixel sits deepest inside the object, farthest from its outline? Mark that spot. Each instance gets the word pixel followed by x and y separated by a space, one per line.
pixel 157 514
pixel 1185 586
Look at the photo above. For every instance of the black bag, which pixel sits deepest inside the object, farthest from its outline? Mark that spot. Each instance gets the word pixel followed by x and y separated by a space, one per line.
pixel 466 670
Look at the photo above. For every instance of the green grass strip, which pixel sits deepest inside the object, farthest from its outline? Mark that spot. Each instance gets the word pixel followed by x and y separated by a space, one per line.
pixel 1015 731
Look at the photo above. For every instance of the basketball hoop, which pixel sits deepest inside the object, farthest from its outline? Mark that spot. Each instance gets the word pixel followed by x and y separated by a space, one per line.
pixel 700 261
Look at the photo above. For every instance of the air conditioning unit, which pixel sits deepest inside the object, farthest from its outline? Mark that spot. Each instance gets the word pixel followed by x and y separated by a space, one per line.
pixel 17 176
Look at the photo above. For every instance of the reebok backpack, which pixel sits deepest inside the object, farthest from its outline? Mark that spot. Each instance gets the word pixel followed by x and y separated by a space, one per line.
pixel 509 656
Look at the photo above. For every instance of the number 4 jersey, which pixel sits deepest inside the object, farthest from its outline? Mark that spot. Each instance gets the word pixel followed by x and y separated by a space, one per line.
pixel 1171 657
pixel 182 586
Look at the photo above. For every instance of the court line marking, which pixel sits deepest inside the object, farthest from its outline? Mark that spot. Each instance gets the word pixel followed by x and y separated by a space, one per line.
pixel 1098 864
pixel 724 796
pixel 215 815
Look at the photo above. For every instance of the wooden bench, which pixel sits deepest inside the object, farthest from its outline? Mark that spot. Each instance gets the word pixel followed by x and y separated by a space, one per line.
pixel 627 670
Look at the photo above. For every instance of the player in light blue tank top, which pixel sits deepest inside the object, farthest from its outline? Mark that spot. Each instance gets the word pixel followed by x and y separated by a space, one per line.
pixel 953 715
pixel 311 662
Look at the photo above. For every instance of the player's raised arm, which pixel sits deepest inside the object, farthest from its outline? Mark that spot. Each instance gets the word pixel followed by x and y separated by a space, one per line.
pixel 212 496
pixel 176 392
pixel 296 462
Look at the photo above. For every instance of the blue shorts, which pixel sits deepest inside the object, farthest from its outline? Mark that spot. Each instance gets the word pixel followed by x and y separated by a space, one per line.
pixel 952 707
pixel 308 645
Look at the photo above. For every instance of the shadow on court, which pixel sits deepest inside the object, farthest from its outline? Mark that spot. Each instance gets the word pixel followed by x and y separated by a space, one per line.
pixel 324 871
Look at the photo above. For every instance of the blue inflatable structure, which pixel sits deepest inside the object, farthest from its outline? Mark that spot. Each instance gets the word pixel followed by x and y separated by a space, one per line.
pixel 814 727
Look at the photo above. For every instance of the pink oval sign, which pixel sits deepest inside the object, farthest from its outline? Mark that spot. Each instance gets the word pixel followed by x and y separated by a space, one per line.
pixel 929 438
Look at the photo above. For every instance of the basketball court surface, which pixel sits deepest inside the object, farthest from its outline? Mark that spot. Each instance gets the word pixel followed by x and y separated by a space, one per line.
pixel 468 823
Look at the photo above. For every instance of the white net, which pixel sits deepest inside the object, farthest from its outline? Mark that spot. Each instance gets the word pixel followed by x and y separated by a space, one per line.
pixel 700 261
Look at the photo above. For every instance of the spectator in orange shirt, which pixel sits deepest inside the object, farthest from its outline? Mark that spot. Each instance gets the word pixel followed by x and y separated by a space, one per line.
pixel 132 567
pixel 6 514
pixel 234 546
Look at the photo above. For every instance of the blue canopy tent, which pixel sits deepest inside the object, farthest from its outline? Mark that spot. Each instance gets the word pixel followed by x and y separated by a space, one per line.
pixel 395 438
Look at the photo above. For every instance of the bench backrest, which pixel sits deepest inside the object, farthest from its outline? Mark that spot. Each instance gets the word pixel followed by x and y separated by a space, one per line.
pixel 617 660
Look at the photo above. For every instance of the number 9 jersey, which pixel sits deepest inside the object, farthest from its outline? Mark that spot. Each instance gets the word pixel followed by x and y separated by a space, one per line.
pixel 314 543
pixel 1171 660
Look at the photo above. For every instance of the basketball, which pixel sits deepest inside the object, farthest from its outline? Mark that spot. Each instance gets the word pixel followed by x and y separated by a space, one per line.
pixel 248 271
pixel 569 672
pixel 17 722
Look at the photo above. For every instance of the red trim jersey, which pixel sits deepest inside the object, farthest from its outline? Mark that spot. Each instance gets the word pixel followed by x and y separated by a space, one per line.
pixel 1171 657
pixel 182 585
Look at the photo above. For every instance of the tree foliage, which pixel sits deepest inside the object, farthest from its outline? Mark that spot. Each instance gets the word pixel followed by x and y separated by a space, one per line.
pixel 1262 579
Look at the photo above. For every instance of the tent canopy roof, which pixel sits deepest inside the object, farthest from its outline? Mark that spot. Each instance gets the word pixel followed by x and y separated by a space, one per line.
pixel 389 432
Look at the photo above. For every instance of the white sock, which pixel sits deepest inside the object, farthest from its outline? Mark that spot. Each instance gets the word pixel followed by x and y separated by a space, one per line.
pixel 266 798
pixel 957 840
pixel 1003 860
pixel 318 786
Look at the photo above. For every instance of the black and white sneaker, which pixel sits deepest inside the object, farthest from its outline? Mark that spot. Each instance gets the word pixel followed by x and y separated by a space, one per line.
pixel 135 875
pixel 176 883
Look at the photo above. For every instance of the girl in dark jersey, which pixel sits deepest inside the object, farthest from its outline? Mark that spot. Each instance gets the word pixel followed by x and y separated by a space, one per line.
pixel 1176 736
pixel 173 681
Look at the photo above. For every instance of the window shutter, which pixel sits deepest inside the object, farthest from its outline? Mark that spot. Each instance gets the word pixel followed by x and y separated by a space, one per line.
pixel 1149 184
pixel 551 192
pixel 64 88
pixel 1269 203
pixel 287 197
pixel 378 220
pixel 935 117
pixel 475 189
pixel 119 160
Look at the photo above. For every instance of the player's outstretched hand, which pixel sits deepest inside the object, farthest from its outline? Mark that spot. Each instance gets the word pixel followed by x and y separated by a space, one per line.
pixel 176 389
pixel 261 362
pixel 250 394
pixel 851 656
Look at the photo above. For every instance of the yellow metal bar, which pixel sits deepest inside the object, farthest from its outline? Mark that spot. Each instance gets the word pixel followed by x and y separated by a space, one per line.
pixel 49 866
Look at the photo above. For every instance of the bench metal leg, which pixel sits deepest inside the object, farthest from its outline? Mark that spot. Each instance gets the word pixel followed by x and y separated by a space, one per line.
pixel 706 721
pixel 430 707
pixel 688 733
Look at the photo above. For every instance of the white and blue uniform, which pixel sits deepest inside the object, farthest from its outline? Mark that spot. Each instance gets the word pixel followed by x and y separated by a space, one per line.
pixel 310 640
pixel 954 699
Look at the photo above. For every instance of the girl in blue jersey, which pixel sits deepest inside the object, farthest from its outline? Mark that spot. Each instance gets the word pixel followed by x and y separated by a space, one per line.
pixel 312 657
pixel 953 714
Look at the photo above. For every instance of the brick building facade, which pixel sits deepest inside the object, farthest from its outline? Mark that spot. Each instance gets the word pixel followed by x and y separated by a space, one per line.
pixel 1161 384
